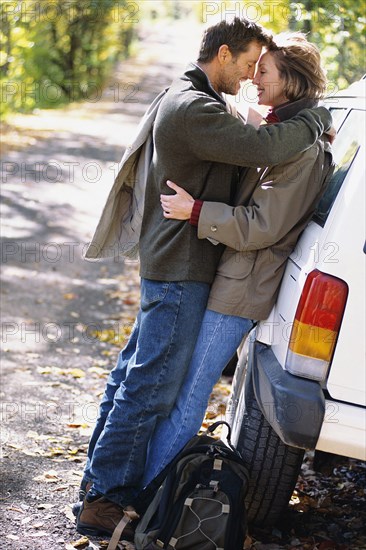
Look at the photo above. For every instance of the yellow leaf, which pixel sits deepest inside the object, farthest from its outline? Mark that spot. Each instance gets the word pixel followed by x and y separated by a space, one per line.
pixel 101 373
pixel 75 373
pixel 211 414
pixel 73 451
pixel 56 452
pixel 45 370
pixel 81 542
pixel 15 509
pixel 70 296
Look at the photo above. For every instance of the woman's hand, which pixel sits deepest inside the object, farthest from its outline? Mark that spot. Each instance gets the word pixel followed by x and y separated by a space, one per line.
pixel 179 206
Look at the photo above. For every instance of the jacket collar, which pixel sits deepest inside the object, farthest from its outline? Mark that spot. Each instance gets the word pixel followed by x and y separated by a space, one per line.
pixel 201 82
pixel 290 109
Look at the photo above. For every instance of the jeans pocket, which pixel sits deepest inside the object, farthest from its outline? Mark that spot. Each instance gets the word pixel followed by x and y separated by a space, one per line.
pixel 153 292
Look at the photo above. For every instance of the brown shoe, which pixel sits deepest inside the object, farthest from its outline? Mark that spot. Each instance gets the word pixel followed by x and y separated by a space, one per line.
pixel 102 517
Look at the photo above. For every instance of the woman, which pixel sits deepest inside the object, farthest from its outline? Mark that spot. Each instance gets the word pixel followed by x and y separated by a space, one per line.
pixel 279 201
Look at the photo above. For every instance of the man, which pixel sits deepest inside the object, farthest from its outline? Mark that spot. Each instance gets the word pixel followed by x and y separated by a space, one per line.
pixel 198 143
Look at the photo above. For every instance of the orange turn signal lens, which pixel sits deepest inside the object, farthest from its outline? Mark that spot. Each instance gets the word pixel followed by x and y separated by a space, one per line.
pixel 316 326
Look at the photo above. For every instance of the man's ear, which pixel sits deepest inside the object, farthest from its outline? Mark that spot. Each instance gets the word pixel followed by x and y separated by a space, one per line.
pixel 224 54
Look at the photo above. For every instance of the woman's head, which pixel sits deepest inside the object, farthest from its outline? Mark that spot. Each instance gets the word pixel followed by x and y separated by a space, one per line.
pixel 289 70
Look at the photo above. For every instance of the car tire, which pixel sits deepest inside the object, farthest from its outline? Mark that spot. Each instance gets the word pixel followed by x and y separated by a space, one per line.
pixel 273 466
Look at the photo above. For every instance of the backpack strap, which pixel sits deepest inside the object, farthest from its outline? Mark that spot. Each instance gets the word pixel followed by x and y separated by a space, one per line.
pixel 215 425
pixel 129 515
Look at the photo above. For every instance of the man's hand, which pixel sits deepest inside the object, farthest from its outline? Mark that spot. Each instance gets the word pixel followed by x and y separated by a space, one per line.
pixel 179 206
pixel 331 134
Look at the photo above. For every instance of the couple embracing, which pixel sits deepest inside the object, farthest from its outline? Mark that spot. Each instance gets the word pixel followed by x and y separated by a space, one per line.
pixel 225 202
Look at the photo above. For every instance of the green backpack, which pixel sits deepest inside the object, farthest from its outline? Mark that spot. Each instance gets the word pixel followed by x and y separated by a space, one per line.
pixel 198 501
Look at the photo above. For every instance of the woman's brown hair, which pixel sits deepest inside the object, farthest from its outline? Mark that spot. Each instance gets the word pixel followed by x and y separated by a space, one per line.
pixel 299 64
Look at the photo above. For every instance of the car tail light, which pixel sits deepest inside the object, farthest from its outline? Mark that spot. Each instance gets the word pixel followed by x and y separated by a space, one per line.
pixel 316 325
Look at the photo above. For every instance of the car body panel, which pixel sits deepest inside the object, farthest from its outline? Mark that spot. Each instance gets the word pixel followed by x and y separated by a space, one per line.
pixel 334 243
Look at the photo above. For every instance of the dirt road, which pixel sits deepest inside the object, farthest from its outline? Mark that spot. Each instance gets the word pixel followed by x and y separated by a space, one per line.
pixel 60 314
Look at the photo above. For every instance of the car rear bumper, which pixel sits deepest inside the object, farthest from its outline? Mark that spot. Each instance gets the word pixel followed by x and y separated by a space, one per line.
pixel 294 406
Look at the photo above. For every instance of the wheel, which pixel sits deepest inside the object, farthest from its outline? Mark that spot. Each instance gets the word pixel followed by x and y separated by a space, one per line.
pixel 273 466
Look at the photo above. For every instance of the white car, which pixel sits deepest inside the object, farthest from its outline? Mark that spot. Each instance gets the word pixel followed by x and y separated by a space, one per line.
pixel 300 381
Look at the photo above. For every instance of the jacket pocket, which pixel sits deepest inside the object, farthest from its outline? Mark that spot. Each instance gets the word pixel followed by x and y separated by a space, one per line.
pixel 237 265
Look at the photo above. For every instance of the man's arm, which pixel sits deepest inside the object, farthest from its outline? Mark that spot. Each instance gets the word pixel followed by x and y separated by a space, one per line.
pixel 285 194
pixel 214 135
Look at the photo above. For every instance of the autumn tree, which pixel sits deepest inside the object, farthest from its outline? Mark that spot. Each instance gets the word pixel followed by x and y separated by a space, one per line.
pixel 60 51
pixel 337 28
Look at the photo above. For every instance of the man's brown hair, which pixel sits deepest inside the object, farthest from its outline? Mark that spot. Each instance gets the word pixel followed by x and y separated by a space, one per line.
pixel 237 35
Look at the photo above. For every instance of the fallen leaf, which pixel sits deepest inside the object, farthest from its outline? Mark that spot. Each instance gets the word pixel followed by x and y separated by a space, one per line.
pixel 25 520
pixel 56 452
pixel 75 373
pixel 129 301
pixel 76 425
pixel 39 534
pixel 81 543
pixel 60 488
pixel 45 506
pixel 47 477
pixel 69 296
pixel 101 373
pixel 37 525
pixel 67 510
pixel 15 509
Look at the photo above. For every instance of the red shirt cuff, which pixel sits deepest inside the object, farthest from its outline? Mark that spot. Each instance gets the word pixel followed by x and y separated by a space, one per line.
pixel 196 210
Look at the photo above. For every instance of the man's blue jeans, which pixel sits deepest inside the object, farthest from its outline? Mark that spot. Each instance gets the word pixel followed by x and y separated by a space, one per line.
pixel 144 385
pixel 219 337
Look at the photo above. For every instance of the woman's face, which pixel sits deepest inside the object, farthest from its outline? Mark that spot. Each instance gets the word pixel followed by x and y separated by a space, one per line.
pixel 269 84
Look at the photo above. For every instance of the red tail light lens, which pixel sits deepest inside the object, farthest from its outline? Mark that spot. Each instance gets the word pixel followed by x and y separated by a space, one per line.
pixel 316 325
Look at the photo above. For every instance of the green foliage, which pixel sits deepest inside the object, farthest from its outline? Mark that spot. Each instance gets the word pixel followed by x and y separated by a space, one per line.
pixel 60 51
pixel 339 32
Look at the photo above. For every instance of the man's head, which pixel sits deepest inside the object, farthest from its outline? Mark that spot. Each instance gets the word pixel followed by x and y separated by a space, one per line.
pixel 230 51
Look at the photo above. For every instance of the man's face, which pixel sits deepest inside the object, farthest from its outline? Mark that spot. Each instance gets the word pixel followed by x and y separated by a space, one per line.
pixel 235 70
